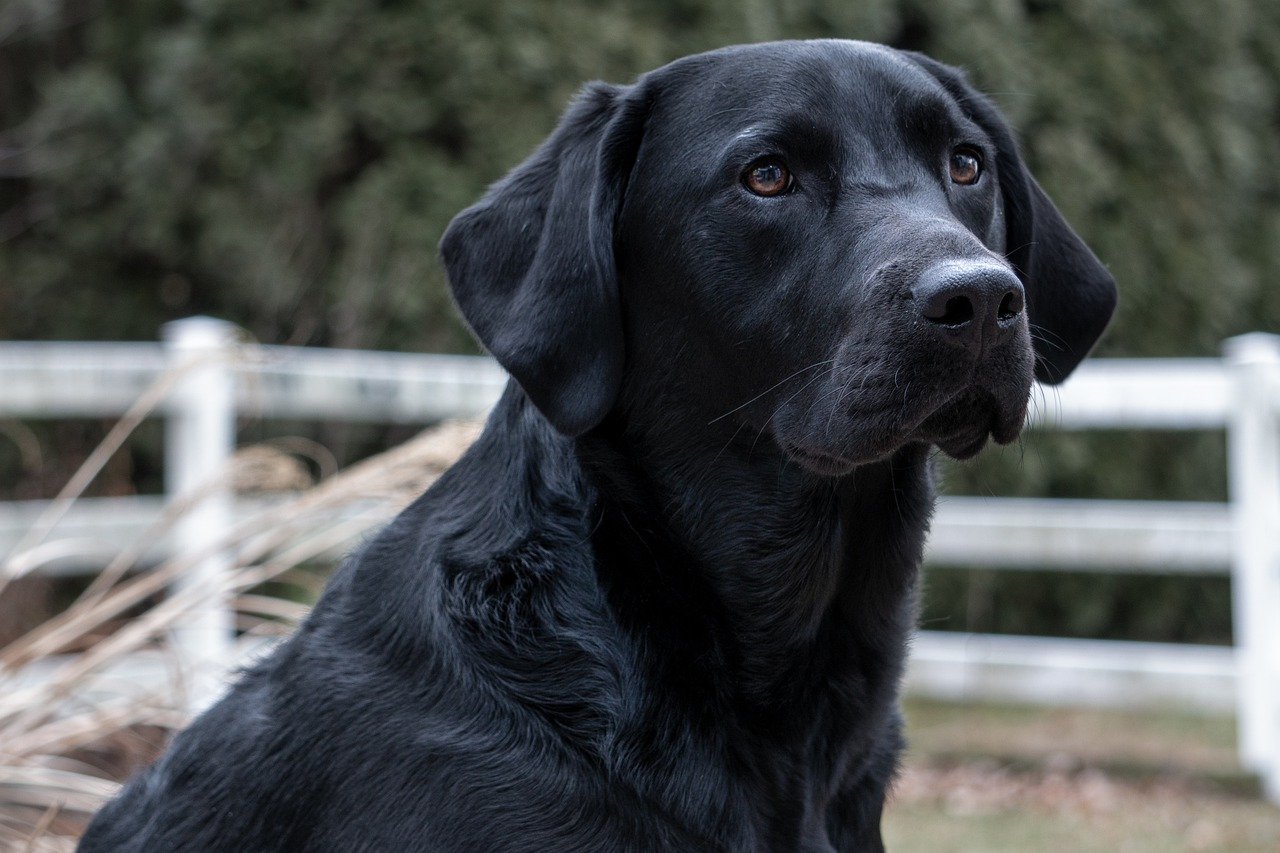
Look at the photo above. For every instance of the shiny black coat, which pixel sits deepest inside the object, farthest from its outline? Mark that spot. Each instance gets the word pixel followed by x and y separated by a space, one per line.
pixel 664 602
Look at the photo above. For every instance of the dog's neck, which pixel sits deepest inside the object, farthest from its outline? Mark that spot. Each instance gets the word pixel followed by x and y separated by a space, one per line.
pixel 726 550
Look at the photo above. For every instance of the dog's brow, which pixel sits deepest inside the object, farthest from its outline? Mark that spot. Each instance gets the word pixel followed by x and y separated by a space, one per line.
pixel 758 139
pixel 755 131
pixel 779 129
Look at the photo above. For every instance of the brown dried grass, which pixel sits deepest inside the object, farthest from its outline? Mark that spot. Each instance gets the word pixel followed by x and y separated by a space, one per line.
pixel 75 719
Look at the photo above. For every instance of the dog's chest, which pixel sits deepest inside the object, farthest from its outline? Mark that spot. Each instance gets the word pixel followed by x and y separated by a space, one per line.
pixel 774 779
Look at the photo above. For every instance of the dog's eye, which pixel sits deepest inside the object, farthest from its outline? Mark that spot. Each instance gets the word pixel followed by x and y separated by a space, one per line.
pixel 966 166
pixel 767 177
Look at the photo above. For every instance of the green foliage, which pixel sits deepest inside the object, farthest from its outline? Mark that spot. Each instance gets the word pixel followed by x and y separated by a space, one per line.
pixel 291 166
pixel 1079 604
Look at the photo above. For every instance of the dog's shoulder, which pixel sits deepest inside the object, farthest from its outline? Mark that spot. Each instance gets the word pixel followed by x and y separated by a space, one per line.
pixel 475 613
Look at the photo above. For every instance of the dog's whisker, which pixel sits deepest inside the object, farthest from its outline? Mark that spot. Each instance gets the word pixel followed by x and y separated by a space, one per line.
pixel 775 386
pixel 767 390
pixel 1038 333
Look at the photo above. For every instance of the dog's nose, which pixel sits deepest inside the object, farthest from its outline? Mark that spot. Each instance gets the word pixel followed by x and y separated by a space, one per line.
pixel 970 302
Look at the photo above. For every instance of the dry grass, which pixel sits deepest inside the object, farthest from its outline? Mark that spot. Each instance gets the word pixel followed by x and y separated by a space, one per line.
pixel 75 717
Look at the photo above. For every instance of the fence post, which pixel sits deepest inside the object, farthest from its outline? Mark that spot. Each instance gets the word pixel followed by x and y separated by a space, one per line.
pixel 199 442
pixel 1253 439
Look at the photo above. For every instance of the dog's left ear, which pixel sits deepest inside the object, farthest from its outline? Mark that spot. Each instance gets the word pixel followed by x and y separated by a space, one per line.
pixel 531 265
pixel 1070 294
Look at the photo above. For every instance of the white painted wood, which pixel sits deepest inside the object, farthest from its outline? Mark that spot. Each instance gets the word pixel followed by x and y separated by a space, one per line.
pixel 1254 462
pixel 1153 537
pixel 199 443
pixel 73 379
pixel 1137 393
pixel 97 529
pixel 61 380
pixel 1073 673
pixel 357 385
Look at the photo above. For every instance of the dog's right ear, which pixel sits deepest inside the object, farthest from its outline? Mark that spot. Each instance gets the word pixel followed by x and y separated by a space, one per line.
pixel 531 265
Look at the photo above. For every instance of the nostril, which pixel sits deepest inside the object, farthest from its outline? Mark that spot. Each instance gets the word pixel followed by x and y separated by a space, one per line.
pixel 969 302
pixel 956 311
pixel 1010 306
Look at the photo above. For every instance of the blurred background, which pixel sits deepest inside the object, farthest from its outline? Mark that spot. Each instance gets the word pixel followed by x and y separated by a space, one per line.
pixel 290 168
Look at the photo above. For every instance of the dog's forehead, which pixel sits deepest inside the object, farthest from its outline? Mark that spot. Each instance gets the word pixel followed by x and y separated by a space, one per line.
pixel 845 84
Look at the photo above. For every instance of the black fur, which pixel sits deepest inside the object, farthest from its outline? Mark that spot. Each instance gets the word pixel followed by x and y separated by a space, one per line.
pixel 663 603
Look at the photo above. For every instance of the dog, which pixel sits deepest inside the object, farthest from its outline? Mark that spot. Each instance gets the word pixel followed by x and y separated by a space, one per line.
pixel 663 603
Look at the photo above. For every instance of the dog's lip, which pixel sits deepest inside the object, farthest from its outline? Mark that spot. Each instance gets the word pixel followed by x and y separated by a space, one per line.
pixel 965 445
pixel 1003 427
pixel 989 416
pixel 817 461
pixel 1006 430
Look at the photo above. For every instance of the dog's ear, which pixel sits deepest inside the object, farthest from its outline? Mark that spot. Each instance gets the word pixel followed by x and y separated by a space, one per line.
pixel 531 265
pixel 1070 294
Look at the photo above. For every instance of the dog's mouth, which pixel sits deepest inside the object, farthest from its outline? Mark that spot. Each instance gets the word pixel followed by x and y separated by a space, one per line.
pixel 966 444
pixel 960 427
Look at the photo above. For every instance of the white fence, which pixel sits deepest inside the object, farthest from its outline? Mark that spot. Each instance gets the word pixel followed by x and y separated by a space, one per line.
pixel 1239 394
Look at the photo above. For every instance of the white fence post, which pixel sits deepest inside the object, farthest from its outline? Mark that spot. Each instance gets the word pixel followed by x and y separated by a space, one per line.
pixel 199 442
pixel 1253 438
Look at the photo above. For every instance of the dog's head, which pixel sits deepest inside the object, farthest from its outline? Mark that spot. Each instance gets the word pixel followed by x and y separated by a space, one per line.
pixel 835 242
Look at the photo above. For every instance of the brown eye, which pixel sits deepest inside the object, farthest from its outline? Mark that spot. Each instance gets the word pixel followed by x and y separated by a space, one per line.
pixel 767 178
pixel 966 166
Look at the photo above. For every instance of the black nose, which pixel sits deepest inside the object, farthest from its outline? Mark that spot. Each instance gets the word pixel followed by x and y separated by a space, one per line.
pixel 970 302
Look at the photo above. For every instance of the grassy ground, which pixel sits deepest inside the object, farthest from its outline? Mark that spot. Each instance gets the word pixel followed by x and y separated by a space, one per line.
pixel 981 778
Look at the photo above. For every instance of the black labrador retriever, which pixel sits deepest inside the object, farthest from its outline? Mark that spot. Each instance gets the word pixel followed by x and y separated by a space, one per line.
pixel 663 603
